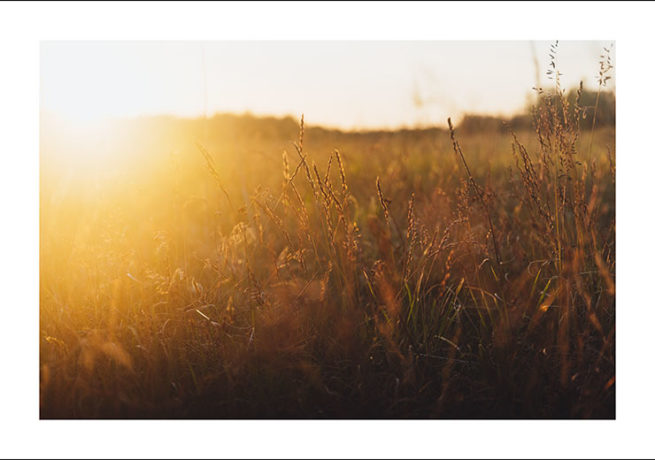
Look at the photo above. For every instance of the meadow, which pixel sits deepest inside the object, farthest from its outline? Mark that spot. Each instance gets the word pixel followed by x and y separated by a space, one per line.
pixel 245 267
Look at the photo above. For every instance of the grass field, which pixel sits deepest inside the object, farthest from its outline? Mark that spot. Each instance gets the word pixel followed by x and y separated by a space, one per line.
pixel 242 267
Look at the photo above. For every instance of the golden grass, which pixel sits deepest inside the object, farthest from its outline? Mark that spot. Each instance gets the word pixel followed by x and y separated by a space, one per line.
pixel 389 278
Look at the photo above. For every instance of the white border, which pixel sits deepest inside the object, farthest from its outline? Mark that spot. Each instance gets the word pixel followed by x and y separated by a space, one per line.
pixel 23 26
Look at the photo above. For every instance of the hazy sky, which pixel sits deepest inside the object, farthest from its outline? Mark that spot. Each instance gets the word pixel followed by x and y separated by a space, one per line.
pixel 336 83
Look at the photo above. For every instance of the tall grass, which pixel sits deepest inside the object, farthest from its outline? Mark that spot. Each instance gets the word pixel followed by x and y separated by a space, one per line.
pixel 408 274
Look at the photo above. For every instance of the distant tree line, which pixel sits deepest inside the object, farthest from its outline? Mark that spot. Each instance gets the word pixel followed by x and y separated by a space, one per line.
pixel 605 112
pixel 237 127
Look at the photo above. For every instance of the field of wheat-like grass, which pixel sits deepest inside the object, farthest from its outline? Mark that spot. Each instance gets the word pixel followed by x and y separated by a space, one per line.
pixel 242 267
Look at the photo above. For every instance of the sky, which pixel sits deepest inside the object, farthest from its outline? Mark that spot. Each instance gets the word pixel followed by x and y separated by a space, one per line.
pixel 349 85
